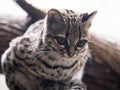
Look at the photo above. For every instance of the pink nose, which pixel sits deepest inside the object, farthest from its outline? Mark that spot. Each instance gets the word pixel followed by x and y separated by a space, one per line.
pixel 70 54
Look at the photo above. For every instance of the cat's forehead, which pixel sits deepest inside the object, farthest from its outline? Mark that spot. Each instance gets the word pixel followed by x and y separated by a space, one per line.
pixel 72 20
pixel 66 12
pixel 70 15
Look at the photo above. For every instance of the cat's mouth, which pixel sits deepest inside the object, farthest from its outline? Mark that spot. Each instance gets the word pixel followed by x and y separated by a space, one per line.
pixel 58 54
pixel 68 54
pixel 65 55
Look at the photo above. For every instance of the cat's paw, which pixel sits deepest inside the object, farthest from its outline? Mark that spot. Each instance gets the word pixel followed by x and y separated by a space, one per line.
pixel 78 85
pixel 23 44
pixel 21 47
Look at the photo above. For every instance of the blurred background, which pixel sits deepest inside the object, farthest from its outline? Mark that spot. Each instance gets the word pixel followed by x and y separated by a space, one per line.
pixel 106 22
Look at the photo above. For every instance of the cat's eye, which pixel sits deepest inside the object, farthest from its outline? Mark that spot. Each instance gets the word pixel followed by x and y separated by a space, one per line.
pixel 81 43
pixel 60 40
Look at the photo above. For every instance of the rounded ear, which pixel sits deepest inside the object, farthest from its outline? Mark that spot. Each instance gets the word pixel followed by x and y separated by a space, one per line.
pixel 54 16
pixel 55 21
pixel 88 17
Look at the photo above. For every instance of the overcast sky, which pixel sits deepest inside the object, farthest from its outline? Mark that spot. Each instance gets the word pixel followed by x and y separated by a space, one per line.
pixel 106 22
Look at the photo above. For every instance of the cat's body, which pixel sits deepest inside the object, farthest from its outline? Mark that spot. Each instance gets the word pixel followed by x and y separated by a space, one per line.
pixel 51 55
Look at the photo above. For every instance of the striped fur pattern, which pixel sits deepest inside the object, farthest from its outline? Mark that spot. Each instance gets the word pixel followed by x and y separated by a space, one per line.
pixel 53 50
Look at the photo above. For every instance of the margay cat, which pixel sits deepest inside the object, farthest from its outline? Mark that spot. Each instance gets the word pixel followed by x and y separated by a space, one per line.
pixel 51 55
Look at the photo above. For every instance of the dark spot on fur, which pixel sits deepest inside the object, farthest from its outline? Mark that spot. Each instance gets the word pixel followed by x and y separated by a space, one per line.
pixel 16 87
pixel 65 75
pixel 11 69
pixel 4 65
pixel 51 58
pixel 63 14
pixel 52 74
pixel 68 19
pixel 67 11
pixel 15 64
pixel 58 71
pixel 42 71
pixel 34 69
pixel 39 67
pixel 22 51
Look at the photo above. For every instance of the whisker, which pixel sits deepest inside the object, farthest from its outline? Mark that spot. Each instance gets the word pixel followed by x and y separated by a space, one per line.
pixel 93 42
pixel 89 61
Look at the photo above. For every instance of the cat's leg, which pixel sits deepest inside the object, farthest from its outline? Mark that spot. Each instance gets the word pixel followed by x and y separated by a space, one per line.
pixel 17 77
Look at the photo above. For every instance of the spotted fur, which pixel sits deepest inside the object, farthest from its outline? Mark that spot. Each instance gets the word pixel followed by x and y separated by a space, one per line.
pixel 53 50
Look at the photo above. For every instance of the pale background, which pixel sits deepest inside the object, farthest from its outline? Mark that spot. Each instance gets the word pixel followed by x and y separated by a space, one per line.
pixel 106 23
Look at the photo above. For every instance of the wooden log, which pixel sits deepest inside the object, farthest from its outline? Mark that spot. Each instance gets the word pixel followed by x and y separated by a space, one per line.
pixel 102 72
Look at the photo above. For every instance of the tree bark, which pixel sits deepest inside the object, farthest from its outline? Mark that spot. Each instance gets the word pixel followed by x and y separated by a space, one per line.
pixel 101 72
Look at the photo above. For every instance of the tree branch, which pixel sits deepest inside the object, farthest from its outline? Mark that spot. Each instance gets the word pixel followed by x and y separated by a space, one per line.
pixel 33 12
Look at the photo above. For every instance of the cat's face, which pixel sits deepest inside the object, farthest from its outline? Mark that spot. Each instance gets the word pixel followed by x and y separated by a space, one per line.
pixel 67 32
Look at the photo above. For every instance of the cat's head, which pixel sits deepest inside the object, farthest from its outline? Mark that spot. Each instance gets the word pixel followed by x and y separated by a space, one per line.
pixel 67 31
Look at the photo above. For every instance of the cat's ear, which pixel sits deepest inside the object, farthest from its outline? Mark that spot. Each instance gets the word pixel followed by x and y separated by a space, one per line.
pixel 55 21
pixel 87 18
pixel 54 16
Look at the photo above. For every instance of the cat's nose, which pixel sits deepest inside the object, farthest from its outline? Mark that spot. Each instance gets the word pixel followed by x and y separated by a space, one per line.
pixel 71 54
pixel 71 51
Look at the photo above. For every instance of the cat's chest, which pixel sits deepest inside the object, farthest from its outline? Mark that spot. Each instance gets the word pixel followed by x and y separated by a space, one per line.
pixel 50 65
